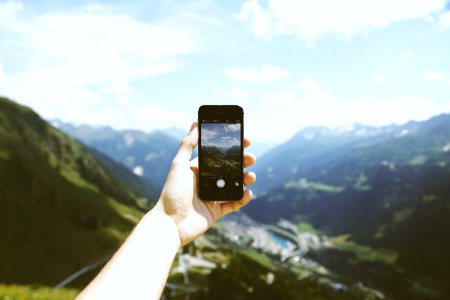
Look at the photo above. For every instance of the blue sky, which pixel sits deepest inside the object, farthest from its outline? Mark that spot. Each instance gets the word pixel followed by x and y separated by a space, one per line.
pixel 221 135
pixel 288 63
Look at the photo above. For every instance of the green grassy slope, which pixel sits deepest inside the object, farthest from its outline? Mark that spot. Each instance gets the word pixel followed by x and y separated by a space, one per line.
pixel 60 208
pixel 19 292
pixel 128 180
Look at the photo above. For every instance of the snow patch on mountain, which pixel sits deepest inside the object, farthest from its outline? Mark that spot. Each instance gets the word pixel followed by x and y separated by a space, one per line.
pixel 139 171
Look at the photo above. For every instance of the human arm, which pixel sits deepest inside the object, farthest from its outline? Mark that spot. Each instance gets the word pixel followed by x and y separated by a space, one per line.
pixel 140 267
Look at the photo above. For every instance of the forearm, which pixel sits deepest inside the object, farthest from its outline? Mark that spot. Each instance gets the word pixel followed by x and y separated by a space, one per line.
pixel 140 267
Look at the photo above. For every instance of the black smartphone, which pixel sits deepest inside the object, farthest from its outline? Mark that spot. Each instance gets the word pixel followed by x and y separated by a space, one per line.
pixel 220 152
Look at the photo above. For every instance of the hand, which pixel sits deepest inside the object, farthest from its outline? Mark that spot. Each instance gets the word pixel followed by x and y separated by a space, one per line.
pixel 179 199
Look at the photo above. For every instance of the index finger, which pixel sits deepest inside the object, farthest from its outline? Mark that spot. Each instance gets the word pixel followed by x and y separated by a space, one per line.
pixel 187 145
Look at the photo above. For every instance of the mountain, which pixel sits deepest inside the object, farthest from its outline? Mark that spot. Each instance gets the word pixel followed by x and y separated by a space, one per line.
pixel 212 151
pixel 391 194
pixel 220 161
pixel 62 205
pixel 259 148
pixel 175 132
pixel 316 146
pixel 147 154
pixel 233 151
pixel 141 186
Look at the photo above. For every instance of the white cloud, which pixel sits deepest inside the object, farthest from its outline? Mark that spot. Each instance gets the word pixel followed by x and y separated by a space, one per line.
pixel 434 76
pixel 379 79
pixel 445 19
pixel 9 9
pixel 145 116
pixel 86 64
pixel 261 22
pixel 232 142
pixel 283 113
pixel 119 90
pixel 309 84
pixel 81 48
pixel 312 19
pixel 208 134
pixel 264 74
pixel 68 65
pixel 117 87
pixel 233 128
pixel 209 137
pixel 222 143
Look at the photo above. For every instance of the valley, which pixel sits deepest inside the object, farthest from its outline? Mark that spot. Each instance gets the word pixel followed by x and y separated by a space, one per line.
pixel 218 161
pixel 280 265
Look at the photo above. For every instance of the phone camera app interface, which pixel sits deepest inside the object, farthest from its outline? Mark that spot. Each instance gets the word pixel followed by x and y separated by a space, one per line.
pixel 221 151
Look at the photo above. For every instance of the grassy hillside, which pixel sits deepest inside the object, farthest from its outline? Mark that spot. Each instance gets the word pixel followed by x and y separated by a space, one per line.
pixel 60 208
pixel 18 292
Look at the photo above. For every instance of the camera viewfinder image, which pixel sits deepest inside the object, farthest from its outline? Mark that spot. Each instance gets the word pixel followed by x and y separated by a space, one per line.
pixel 221 148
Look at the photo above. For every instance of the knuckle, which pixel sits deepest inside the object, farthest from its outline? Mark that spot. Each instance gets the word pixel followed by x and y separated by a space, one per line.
pixel 185 142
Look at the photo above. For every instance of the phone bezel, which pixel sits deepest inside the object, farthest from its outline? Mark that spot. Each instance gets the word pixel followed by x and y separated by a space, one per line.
pixel 220 112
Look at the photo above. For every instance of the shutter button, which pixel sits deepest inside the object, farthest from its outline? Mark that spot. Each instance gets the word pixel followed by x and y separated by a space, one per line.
pixel 220 183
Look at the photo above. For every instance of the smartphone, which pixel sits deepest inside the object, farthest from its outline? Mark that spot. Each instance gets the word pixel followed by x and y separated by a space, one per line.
pixel 220 152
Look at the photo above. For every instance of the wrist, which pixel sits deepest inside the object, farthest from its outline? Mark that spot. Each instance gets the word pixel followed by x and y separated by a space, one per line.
pixel 158 220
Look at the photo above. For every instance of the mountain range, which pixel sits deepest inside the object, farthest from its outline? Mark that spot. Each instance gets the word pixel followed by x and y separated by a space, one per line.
pixel 147 154
pixel 314 147
pixel 378 197
pixel 387 188
pixel 63 205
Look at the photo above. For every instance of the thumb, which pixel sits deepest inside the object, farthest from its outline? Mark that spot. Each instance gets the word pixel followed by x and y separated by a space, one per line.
pixel 188 144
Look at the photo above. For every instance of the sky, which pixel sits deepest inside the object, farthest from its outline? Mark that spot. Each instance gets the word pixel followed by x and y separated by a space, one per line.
pixel 289 63
pixel 221 135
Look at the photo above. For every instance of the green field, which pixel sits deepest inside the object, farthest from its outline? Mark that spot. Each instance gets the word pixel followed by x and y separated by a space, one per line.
pixel 23 292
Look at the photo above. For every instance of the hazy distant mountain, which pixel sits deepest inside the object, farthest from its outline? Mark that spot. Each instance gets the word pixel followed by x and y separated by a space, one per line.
pixel 260 148
pixel 175 132
pixel 140 185
pixel 62 207
pixel 390 190
pixel 146 154
pixel 316 146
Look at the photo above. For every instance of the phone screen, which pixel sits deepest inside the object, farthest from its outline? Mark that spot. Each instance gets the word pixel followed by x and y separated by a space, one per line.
pixel 221 158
